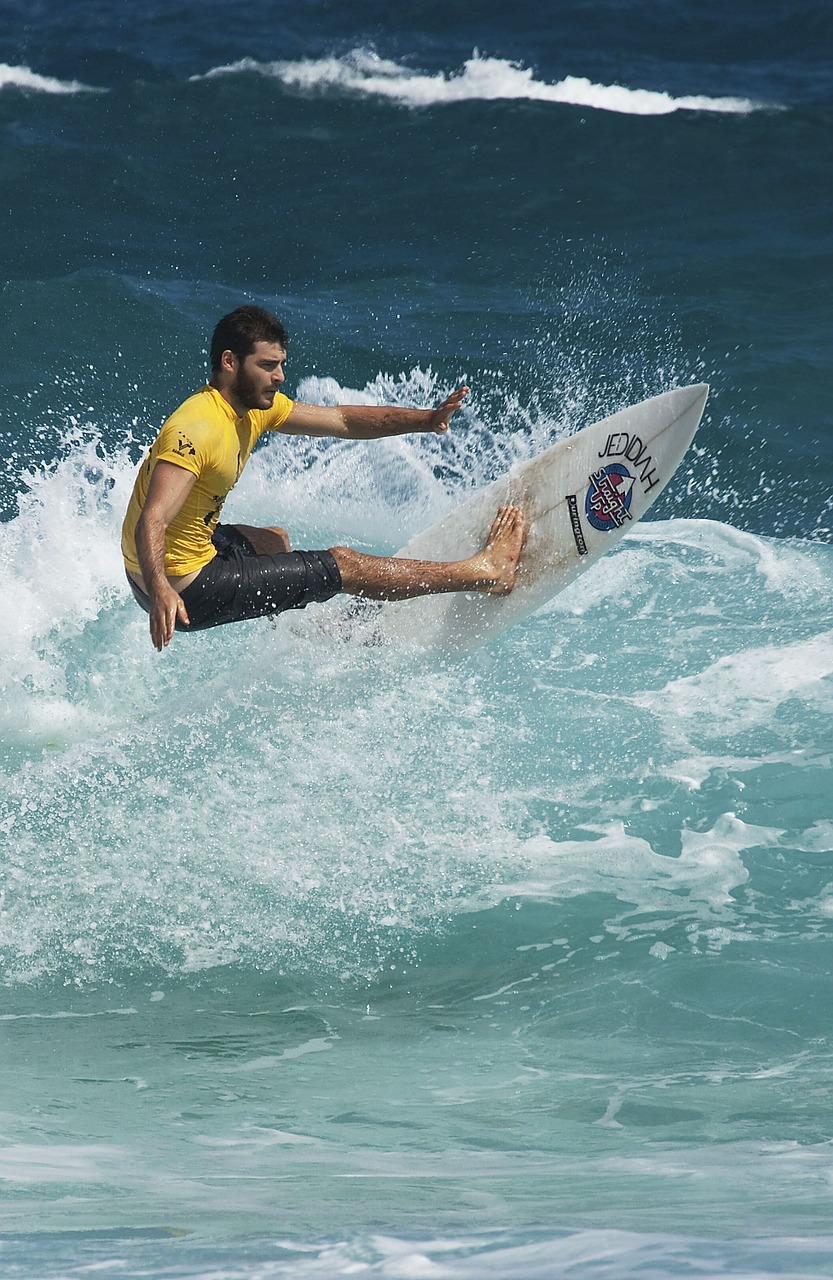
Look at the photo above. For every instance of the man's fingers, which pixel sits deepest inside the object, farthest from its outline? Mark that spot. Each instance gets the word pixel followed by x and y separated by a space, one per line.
pixel 161 631
pixel 173 607
pixel 163 620
pixel 444 412
pixel 156 634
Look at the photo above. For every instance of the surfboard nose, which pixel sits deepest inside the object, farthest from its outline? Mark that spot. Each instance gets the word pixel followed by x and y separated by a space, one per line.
pixel 688 404
pixel 695 396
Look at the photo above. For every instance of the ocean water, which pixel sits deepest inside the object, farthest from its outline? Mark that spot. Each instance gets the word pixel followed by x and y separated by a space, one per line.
pixel 321 959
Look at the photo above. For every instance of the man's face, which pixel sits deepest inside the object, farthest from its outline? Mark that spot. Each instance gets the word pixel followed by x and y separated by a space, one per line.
pixel 259 376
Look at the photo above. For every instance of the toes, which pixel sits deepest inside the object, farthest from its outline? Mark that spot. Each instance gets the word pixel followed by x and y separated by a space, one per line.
pixel 509 520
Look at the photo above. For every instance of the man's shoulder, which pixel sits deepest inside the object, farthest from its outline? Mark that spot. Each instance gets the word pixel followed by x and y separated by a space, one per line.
pixel 199 416
pixel 202 407
pixel 190 435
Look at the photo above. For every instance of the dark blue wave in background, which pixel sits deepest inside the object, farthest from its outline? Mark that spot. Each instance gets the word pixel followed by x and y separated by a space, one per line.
pixel 529 246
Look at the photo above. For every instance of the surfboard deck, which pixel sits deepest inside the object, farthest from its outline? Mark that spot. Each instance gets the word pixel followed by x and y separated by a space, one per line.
pixel 579 497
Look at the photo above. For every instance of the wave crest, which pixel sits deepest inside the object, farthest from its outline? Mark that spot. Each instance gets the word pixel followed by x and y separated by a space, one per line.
pixel 361 71
pixel 25 78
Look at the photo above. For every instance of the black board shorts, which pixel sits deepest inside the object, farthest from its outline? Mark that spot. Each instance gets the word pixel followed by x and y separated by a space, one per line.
pixel 239 584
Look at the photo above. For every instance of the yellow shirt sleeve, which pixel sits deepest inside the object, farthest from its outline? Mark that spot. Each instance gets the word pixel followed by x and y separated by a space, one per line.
pixel 186 447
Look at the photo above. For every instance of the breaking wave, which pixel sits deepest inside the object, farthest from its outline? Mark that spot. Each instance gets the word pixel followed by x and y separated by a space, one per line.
pixel 364 72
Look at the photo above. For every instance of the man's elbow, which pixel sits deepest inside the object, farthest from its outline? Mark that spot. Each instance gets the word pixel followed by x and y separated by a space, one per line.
pixel 150 525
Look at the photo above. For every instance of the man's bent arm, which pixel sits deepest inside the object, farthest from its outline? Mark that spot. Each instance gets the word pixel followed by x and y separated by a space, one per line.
pixel 169 487
pixel 370 422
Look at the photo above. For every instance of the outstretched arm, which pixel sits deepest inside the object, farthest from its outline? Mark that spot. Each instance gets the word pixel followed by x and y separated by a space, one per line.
pixel 370 422
pixel 169 487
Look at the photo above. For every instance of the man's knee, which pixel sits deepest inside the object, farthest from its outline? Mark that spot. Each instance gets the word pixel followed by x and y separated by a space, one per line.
pixel 267 542
pixel 348 556
pixel 350 564
pixel 281 535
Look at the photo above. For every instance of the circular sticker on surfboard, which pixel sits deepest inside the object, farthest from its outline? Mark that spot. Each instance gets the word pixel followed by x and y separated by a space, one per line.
pixel 608 500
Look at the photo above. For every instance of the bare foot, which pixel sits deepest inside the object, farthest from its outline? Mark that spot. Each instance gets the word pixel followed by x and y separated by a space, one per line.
pixel 502 551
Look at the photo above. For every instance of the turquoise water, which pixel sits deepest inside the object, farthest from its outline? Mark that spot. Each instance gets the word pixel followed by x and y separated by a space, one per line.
pixel 327 959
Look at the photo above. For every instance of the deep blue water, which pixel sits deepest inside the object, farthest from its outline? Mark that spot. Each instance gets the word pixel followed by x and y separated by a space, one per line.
pixel 322 960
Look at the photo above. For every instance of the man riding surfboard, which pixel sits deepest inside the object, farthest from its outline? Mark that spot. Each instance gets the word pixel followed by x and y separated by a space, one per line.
pixel 190 572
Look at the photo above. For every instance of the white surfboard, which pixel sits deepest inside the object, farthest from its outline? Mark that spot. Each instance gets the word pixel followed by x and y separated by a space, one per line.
pixel 579 497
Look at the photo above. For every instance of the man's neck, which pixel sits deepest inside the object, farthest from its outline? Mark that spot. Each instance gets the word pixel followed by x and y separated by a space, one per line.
pixel 240 410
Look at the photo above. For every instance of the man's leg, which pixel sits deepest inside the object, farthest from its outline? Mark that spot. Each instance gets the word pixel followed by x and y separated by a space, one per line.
pixel 266 542
pixel 491 570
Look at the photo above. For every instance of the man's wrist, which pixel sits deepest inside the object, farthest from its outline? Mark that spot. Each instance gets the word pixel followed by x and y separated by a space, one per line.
pixel 157 584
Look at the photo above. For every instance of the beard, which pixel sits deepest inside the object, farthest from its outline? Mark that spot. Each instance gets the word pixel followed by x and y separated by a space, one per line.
pixel 249 392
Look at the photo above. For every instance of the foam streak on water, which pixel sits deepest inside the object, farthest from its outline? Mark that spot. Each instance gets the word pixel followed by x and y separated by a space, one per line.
pixel 481 79
pixel 25 78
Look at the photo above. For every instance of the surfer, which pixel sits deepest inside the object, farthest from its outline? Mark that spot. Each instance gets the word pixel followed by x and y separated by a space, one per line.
pixel 190 572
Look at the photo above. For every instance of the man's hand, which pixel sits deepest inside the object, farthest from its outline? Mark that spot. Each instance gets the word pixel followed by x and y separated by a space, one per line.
pixel 165 606
pixel 442 415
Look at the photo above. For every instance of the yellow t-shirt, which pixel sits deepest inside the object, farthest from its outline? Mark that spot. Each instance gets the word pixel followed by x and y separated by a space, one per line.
pixel 205 436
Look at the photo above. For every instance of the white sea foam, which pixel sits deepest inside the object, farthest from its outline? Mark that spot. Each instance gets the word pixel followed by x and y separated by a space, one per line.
pixel 25 78
pixel 444 771
pixel 480 78
pixel 584 1254
pixel 745 689
pixel 378 498
pixel 40 1163
pixel 59 561
pixel 784 566
pixel 699 881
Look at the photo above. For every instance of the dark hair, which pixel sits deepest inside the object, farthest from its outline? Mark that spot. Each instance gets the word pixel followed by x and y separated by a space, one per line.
pixel 241 330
